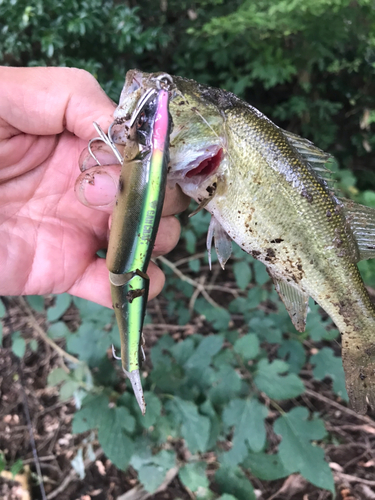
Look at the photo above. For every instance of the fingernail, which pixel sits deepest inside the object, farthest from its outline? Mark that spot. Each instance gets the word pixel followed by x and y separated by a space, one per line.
pixel 98 189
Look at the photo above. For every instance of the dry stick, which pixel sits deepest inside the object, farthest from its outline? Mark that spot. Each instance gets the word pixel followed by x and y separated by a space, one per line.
pixel 328 401
pixel 196 293
pixel 354 479
pixel 192 282
pixel 44 336
pixel 71 476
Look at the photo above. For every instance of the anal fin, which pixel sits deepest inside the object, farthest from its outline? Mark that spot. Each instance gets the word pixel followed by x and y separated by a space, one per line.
pixel 362 221
pixel 223 244
pixel 295 301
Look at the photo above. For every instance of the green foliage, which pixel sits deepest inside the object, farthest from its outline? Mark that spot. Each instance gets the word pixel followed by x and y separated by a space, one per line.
pixel 297 453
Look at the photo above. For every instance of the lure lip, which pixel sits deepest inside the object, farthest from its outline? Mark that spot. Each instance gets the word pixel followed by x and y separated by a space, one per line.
pixel 135 379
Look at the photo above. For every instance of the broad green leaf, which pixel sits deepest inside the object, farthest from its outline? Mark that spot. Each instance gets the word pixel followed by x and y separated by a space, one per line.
pixel 247 346
pixel 151 468
pixel 193 476
pixel 2 309
pixel 233 481
pixel 218 316
pixel 94 408
pixel 295 354
pixel 297 453
pixel 89 311
pixel 270 380
pixel 36 302
pixel 62 302
pixel 58 330
pixel 261 275
pixel 68 388
pixel 182 350
pixel 227 497
pixel 225 386
pixel 16 467
pixel 57 376
pixel 266 467
pixel 33 344
pixel 242 273
pixel 89 342
pixel 153 410
pixel 195 265
pixel 247 417
pixel 266 329
pixel 329 365
pixel 195 428
pixel 18 344
pixel 115 443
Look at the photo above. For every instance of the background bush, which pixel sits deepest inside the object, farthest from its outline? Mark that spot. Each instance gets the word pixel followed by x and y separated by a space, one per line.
pixel 309 66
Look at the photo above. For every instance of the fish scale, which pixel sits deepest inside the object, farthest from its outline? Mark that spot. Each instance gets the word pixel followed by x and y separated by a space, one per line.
pixel 270 193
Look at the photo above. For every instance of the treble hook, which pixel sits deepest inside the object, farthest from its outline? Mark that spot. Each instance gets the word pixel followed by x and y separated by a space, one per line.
pixel 107 139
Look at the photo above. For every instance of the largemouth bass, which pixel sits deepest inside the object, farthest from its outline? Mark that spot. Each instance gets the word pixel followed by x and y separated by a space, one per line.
pixel 266 190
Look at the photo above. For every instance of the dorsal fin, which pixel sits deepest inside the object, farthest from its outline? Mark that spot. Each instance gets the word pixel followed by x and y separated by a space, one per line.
pixel 362 221
pixel 315 157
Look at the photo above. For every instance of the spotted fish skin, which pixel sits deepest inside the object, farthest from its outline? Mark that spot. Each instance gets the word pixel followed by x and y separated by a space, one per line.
pixel 266 190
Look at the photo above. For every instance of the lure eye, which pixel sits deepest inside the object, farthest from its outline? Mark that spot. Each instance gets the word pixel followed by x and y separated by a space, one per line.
pixel 142 119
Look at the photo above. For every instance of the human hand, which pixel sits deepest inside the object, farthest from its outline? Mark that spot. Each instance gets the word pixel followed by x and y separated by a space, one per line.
pixel 48 239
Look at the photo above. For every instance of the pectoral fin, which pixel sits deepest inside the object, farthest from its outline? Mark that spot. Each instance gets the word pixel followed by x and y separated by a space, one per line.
pixel 362 221
pixel 223 244
pixel 295 301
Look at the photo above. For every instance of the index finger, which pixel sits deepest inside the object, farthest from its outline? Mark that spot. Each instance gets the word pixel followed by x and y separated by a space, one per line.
pixel 45 101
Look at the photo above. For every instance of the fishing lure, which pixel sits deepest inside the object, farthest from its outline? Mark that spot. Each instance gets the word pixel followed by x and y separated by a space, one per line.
pixel 135 221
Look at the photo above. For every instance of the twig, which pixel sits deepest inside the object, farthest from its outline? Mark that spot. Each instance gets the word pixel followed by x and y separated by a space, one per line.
pixel 192 282
pixel 44 336
pixel 342 408
pixel 190 258
pixel 354 479
pixel 197 291
pixel 71 476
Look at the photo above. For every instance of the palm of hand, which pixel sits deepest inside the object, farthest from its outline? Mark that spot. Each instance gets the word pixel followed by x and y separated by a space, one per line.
pixel 54 238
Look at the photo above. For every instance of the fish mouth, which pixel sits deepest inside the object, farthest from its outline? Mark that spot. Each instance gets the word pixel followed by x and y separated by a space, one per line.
pixel 200 168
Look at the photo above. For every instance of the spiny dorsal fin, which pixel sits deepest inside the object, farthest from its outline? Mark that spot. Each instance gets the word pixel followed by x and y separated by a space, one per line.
pixel 362 221
pixel 223 244
pixel 295 301
pixel 315 157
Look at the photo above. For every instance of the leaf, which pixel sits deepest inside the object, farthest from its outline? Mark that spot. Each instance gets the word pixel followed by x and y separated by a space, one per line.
pixel 227 497
pixel 3 311
pixel 94 408
pixel 18 345
pixel 218 316
pixel 153 410
pixel 33 344
pixel 16 467
pixel 329 365
pixel 295 354
pixel 195 428
pixel 261 275
pixel 117 446
pixel 151 468
pixel 242 273
pixel 62 303
pixel 247 417
pixel 266 467
pixel 247 346
pixel 297 453
pixel 36 302
pixel 193 476
pixel 58 330
pixel 233 481
pixel 269 380
pixel 89 342
pixel 57 376
pixel 226 385
pixel 78 464
pixel 68 388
